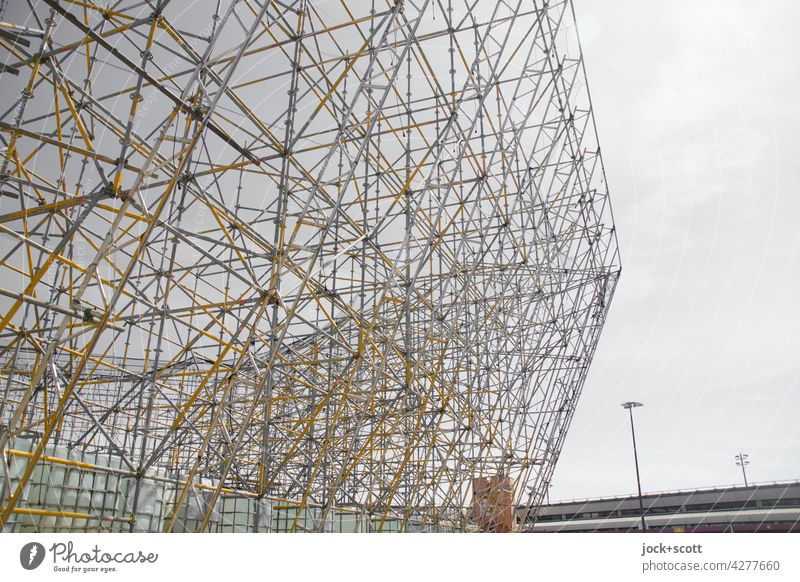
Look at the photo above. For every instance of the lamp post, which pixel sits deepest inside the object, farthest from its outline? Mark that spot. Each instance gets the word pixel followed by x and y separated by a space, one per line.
pixel 630 406
pixel 741 461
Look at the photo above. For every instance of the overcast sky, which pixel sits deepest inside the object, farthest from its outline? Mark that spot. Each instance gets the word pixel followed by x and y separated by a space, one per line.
pixel 696 105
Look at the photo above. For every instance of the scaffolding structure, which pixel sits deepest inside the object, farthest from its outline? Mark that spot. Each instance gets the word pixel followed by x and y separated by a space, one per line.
pixel 292 266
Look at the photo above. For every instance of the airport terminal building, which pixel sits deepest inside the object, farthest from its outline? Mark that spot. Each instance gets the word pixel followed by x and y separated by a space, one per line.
pixel 764 507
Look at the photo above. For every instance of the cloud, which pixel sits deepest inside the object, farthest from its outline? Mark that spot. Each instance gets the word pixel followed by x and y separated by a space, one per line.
pixel 696 113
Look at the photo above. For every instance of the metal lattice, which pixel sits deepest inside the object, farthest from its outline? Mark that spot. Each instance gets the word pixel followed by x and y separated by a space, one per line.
pixel 336 255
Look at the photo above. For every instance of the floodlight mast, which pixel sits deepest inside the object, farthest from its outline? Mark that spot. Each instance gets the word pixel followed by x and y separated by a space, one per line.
pixel 741 461
pixel 630 406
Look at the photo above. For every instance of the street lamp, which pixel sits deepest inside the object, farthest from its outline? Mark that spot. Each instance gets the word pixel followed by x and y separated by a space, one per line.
pixel 630 406
pixel 741 461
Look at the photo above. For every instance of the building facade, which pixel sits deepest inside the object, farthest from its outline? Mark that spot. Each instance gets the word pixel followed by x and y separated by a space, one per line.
pixel 764 507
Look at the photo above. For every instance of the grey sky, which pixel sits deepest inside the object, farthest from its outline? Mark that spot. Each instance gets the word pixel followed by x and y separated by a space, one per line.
pixel 697 110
